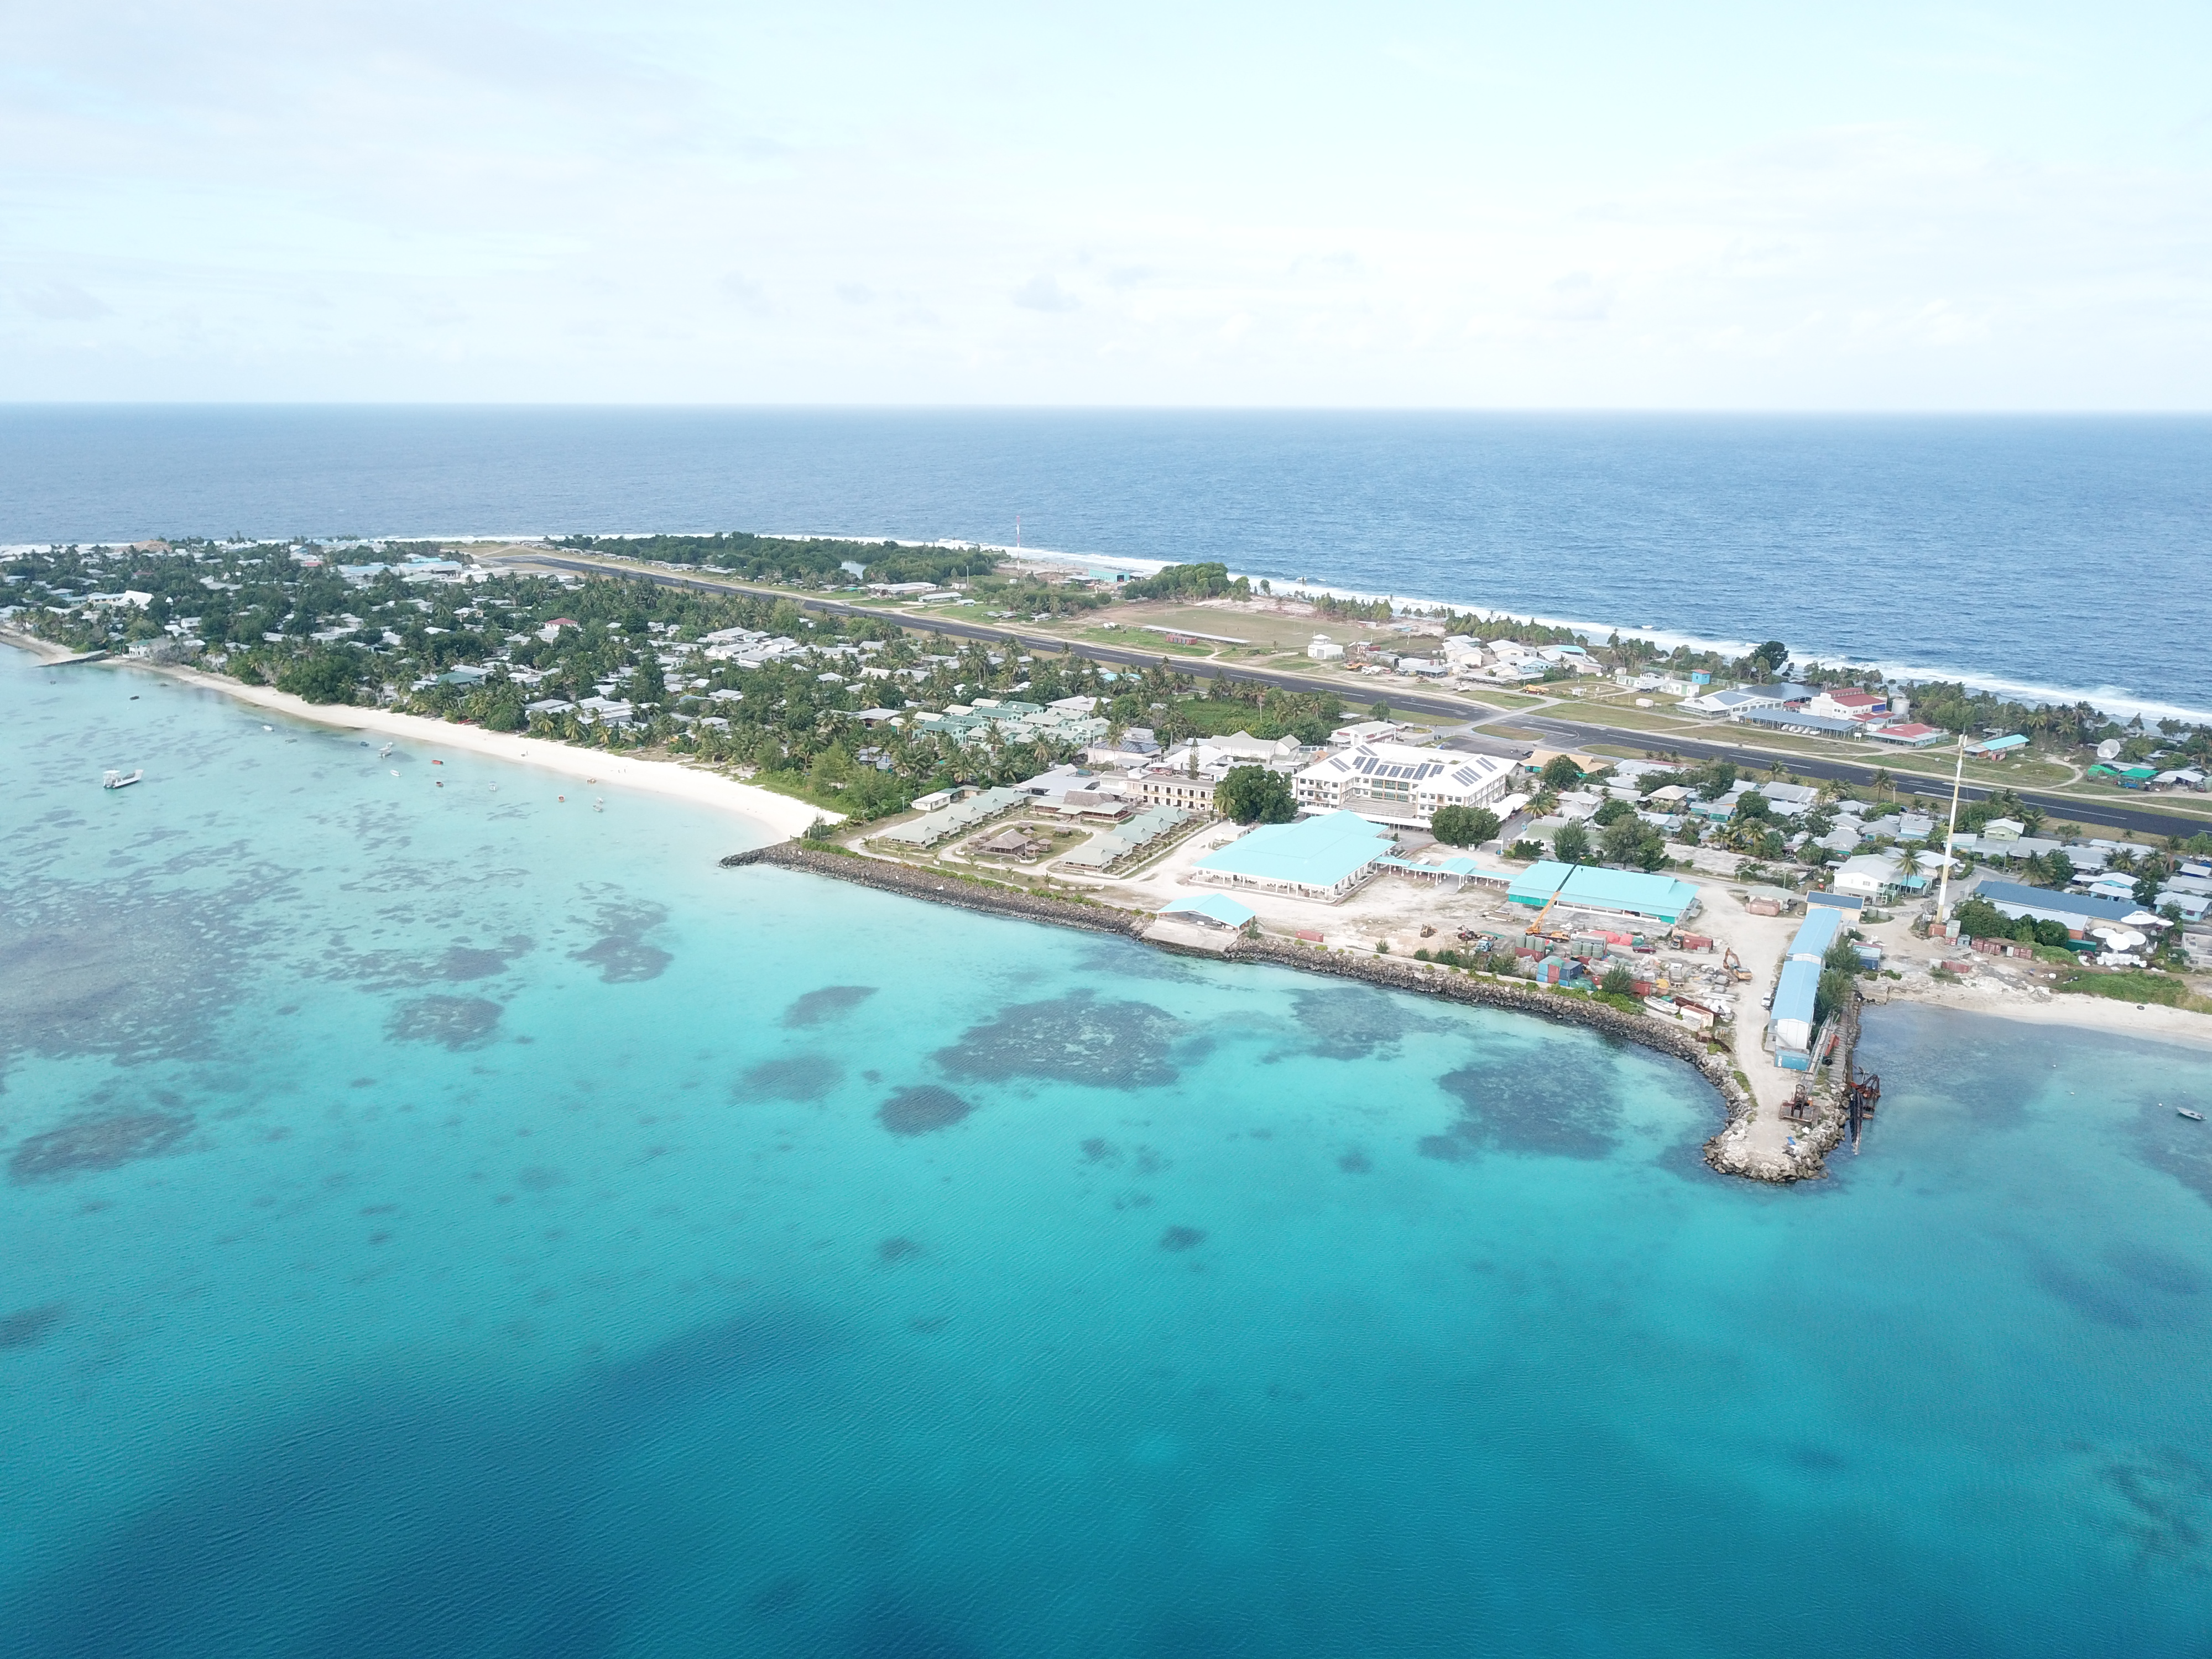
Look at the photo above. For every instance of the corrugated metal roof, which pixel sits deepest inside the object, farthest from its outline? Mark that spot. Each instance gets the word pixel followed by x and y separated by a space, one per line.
pixel 1795 991
pixel 1817 932
pixel 1315 852
pixel 1219 907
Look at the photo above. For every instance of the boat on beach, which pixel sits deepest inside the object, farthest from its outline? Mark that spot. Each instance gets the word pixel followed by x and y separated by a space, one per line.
pixel 114 780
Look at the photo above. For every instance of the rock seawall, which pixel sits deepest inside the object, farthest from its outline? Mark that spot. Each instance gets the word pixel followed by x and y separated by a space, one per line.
pixel 1726 1152
pixel 937 887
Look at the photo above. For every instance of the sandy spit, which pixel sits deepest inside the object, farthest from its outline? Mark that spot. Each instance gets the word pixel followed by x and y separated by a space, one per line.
pixel 780 815
pixel 2151 1021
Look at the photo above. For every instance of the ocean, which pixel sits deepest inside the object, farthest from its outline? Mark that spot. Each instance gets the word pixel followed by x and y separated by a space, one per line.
pixel 437 1217
pixel 2048 557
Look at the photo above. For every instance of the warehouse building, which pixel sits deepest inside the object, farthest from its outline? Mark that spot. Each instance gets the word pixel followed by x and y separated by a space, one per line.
pixel 1324 858
pixel 1621 892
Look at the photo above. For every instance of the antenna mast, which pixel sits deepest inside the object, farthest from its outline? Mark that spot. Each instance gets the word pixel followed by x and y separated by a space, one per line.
pixel 1950 837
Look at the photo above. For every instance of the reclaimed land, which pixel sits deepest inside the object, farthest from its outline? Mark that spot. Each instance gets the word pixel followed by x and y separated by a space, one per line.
pixel 1726 1152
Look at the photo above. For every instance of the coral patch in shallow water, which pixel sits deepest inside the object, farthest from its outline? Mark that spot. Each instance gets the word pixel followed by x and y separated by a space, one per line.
pixel 98 1142
pixel 921 1109
pixel 455 1023
pixel 819 1007
pixel 1073 1039
pixel 1352 1021
pixel 801 1077
pixel 1563 1109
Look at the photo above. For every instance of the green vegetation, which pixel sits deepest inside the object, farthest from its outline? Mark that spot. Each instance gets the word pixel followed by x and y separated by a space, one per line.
pixel 1618 981
pixel 817 562
pixel 1238 706
pixel 1571 844
pixel 1630 841
pixel 2136 985
pixel 1189 581
pixel 1255 794
pixel 1838 969
pixel 1979 919
pixel 1463 826
pixel 1561 773
pixel 485 647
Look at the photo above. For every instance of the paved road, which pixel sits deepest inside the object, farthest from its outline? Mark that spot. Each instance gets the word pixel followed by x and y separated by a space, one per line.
pixel 2067 808
pixel 1564 732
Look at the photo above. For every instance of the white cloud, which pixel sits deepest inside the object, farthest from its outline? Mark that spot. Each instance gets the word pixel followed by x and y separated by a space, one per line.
pixel 1045 293
pixel 487 201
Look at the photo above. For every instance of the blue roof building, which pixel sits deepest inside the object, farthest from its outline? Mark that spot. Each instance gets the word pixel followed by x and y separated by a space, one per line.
pixel 2077 912
pixel 1816 933
pixel 1320 858
pixel 1794 995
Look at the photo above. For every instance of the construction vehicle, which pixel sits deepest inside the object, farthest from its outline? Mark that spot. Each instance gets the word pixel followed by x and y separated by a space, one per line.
pixel 1733 965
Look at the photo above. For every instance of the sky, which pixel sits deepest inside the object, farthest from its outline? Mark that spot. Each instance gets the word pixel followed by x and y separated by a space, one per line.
pixel 1399 205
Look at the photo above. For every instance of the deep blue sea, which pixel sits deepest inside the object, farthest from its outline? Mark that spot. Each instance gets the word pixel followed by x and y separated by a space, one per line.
pixel 2045 555
pixel 450 1221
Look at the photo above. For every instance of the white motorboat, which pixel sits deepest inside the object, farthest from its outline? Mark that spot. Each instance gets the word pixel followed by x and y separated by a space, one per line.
pixel 2194 1117
pixel 114 780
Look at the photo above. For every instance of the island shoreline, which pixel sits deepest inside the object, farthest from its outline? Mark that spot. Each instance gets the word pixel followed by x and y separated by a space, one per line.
pixel 776 816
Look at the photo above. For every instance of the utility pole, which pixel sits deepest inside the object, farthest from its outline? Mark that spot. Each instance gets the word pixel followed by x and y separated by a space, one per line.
pixel 1950 837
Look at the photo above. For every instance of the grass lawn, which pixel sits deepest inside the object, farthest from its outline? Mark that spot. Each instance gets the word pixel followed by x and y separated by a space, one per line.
pixel 2136 985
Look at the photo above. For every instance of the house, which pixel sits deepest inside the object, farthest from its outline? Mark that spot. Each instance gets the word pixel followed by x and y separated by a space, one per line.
pixel 1364 731
pixel 1322 648
pixel 2003 829
pixel 1011 843
pixel 1323 858
pixel 1242 749
pixel 1868 876
pixel 1397 783
pixel 1849 703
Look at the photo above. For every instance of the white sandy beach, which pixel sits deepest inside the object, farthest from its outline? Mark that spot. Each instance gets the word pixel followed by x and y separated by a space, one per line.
pixel 2149 1021
pixel 778 815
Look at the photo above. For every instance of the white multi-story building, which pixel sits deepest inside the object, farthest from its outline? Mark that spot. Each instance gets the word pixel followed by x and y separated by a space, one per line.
pixel 1398 783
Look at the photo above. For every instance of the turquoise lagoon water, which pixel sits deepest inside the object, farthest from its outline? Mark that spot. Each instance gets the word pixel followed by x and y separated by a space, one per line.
pixel 456 1221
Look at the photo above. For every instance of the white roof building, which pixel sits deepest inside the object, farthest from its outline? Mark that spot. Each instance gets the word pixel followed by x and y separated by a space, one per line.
pixel 1398 783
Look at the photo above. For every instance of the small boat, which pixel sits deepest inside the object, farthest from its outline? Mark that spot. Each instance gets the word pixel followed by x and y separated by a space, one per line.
pixel 385 753
pixel 2194 1117
pixel 112 779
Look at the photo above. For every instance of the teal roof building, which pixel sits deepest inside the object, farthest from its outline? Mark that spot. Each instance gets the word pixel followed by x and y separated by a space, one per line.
pixel 1218 909
pixel 1625 892
pixel 1320 858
